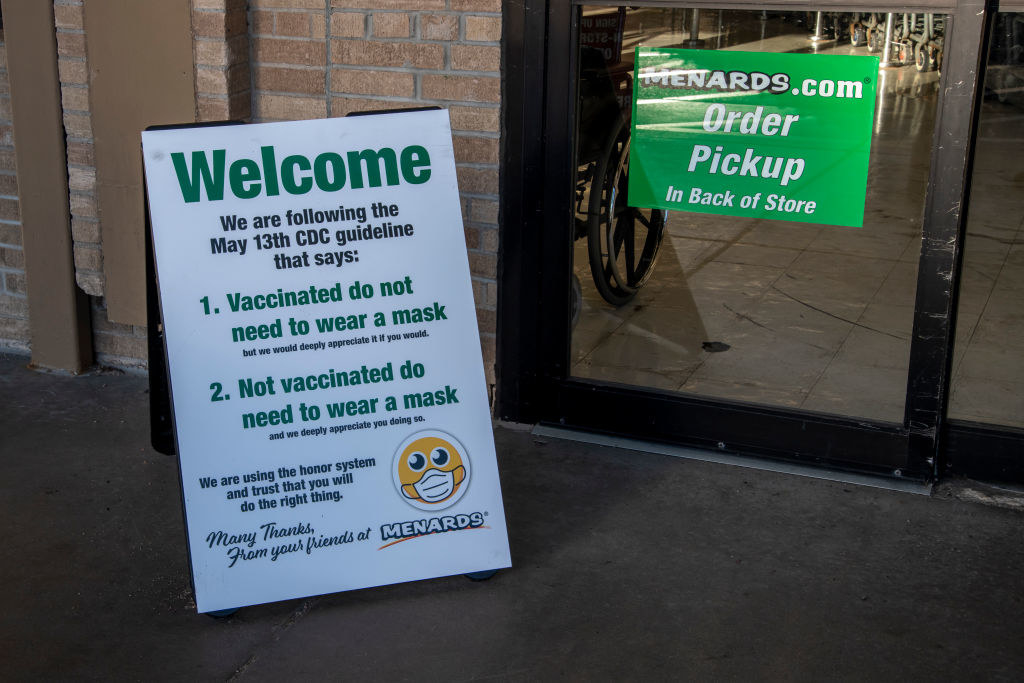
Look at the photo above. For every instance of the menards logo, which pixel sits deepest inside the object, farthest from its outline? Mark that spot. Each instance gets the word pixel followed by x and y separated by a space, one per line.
pixel 403 531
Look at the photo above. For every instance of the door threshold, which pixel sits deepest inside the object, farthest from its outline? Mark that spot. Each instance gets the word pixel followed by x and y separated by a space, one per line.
pixel 750 462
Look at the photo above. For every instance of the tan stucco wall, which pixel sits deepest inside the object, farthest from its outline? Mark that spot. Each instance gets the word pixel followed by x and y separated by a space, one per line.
pixel 141 73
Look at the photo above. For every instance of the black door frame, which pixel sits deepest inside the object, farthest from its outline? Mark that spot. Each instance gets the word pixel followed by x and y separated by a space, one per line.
pixel 535 263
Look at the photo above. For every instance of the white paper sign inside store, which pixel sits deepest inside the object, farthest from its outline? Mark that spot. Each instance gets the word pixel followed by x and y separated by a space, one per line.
pixel 328 390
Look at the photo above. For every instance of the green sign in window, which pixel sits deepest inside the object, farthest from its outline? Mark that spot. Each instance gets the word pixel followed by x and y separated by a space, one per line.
pixel 752 134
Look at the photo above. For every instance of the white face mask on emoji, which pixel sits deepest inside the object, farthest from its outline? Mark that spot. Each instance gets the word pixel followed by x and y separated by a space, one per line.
pixel 429 471
pixel 435 485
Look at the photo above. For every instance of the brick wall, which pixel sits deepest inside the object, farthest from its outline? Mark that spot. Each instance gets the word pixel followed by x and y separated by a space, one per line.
pixel 74 88
pixel 317 58
pixel 115 344
pixel 288 48
pixel 14 329
pixel 269 60
pixel 86 230
pixel 221 53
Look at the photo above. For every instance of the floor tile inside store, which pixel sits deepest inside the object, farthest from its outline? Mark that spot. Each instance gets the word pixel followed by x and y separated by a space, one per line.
pixel 819 317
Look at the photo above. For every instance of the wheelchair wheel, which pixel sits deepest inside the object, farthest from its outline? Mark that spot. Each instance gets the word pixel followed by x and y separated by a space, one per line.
pixel 622 241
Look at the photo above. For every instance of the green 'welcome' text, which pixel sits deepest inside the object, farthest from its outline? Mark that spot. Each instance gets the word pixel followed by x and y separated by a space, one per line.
pixel 296 174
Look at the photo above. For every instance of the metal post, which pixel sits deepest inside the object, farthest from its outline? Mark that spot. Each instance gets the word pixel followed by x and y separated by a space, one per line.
pixel 818 27
pixel 880 95
pixel 887 51
pixel 695 41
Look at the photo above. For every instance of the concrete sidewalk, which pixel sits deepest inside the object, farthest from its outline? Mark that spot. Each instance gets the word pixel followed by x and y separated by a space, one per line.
pixel 628 566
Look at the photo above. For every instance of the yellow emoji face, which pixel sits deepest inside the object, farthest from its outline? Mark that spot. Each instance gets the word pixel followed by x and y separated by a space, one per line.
pixel 430 470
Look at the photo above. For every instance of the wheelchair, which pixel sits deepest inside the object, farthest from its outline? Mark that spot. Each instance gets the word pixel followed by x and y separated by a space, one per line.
pixel 622 241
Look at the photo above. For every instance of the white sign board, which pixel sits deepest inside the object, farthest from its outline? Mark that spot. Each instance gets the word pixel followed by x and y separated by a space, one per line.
pixel 327 384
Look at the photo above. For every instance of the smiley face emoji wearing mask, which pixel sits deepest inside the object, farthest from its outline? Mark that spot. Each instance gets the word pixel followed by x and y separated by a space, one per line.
pixel 431 470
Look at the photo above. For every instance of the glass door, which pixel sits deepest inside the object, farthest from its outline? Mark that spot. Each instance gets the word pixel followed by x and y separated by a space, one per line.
pixel 986 405
pixel 764 311
pixel 758 334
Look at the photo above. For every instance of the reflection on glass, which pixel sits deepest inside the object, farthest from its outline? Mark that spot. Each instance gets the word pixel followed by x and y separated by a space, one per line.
pixel 788 314
pixel 988 358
